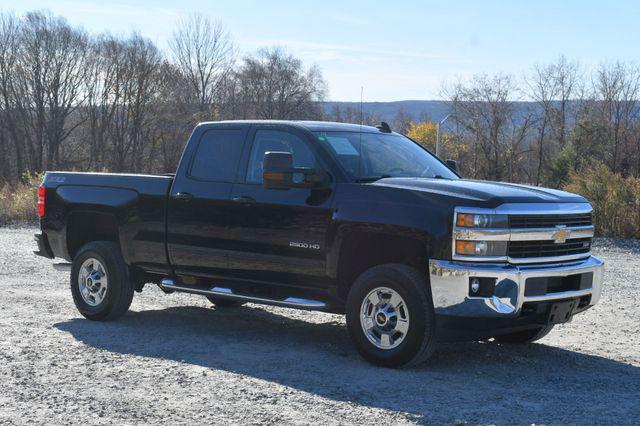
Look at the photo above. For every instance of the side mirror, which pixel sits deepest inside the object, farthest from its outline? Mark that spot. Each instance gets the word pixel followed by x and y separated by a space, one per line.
pixel 277 170
pixel 452 164
pixel 278 173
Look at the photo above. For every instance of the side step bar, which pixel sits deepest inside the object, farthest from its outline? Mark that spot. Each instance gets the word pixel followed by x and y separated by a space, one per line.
pixel 65 267
pixel 227 293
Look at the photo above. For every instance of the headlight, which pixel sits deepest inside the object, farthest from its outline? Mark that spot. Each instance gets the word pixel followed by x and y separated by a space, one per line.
pixel 481 248
pixel 481 220
pixel 480 235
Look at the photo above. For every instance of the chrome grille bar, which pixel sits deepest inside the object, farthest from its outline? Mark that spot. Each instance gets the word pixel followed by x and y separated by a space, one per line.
pixel 520 234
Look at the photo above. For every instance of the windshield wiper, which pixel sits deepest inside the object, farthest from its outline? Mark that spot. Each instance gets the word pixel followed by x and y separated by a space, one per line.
pixel 370 179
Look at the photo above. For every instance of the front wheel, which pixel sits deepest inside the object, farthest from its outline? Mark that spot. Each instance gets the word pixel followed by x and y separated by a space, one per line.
pixel 390 316
pixel 100 283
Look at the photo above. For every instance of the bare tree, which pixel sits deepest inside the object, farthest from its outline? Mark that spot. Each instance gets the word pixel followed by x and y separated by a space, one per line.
pixel 616 89
pixel 347 113
pixel 485 114
pixel 172 119
pixel 104 82
pixel 402 121
pixel 274 85
pixel 9 119
pixel 204 53
pixel 52 70
pixel 566 77
pixel 552 87
pixel 130 127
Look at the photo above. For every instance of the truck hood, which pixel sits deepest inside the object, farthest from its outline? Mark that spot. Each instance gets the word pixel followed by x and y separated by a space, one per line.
pixel 493 193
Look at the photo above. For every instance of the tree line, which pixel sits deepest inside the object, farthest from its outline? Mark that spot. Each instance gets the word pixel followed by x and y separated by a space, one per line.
pixel 538 129
pixel 573 121
pixel 73 100
pixel 578 131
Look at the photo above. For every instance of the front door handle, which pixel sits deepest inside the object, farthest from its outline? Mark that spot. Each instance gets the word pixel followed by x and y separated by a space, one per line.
pixel 243 199
pixel 183 196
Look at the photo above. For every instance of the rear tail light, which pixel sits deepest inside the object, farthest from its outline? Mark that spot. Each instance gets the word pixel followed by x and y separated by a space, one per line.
pixel 42 196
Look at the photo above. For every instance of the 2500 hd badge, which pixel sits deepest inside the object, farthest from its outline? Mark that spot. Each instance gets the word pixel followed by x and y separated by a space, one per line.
pixel 304 245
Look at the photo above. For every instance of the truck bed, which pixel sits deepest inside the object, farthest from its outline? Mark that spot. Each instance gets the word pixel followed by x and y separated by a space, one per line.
pixel 134 204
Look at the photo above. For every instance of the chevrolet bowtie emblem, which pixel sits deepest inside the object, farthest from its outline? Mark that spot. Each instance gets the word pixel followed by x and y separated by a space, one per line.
pixel 561 235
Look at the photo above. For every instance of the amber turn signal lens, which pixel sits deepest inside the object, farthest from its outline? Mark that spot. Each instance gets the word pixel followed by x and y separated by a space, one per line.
pixel 465 220
pixel 467 248
pixel 273 176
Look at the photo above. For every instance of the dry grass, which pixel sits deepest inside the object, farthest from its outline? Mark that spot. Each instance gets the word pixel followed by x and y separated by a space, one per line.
pixel 615 200
pixel 18 202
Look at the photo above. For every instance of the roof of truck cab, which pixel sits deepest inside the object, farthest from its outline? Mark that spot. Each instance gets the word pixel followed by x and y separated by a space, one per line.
pixel 314 126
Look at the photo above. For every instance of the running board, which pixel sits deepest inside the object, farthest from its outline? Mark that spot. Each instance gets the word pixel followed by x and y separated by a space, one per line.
pixel 65 267
pixel 227 293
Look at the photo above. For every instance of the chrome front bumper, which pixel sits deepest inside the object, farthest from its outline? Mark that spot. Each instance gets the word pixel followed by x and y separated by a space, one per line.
pixel 450 286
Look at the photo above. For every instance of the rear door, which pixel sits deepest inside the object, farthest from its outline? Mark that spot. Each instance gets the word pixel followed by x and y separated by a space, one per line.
pixel 199 205
pixel 279 235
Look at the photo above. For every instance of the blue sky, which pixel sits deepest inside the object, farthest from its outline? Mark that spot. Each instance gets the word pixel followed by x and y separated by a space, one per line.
pixel 396 50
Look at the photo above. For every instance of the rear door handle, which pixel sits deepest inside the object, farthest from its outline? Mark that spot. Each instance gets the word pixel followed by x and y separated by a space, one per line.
pixel 243 199
pixel 183 196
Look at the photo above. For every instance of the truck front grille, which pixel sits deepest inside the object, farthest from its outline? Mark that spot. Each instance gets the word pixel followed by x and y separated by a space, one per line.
pixel 549 220
pixel 548 248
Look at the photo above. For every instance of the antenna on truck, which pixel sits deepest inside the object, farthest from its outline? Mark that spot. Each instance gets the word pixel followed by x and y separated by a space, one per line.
pixel 361 114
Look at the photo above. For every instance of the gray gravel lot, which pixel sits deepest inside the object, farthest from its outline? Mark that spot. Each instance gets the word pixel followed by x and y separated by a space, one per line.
pixel 176 359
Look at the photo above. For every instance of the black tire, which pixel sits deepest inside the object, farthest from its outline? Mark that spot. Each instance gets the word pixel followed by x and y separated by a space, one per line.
pixel 526 336
pixel 221 302
pixel 119 291
pixel 419 341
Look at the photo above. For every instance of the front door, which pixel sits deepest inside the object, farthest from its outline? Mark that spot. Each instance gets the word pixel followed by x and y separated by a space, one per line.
pixel 280 234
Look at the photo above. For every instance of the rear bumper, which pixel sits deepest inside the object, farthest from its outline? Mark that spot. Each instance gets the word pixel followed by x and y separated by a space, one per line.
pixel 44 249
pixel 450 286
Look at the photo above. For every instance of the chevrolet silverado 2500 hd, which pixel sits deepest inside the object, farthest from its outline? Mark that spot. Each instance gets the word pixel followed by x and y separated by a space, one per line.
pixel 328 216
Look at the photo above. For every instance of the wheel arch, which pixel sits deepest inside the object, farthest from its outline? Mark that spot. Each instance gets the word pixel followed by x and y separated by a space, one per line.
pixel 94 213
pixel 358 248
pixel 86 226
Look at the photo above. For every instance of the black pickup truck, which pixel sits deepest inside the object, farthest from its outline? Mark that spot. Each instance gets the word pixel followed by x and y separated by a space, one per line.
pixel 328 216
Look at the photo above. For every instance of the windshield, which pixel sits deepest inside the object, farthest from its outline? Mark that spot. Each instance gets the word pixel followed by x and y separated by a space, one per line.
pixel 372 156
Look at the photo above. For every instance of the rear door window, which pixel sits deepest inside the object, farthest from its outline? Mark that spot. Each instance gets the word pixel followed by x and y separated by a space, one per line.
pixel 218 155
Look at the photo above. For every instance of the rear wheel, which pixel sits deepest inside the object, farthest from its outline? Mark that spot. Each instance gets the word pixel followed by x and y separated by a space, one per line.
pixel 225 303
pixel 390 316
pixel 526 336
pixel 100 283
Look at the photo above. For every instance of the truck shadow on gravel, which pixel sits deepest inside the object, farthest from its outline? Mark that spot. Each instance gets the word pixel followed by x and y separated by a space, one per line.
pixel 475 382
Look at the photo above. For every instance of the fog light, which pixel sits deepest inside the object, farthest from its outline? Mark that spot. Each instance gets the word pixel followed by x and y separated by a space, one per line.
pixel 475 285
pixel 482 286
pixel 481 248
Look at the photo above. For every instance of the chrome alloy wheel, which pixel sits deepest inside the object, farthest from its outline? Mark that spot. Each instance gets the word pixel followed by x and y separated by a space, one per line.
pixel 92 281
pixel 384 318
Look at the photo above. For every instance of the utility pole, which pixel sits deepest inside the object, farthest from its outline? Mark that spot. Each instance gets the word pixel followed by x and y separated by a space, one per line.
pixel 440 123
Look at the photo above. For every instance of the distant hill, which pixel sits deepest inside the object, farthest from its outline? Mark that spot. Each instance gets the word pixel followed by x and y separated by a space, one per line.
pixel 434 110
pixel 418 110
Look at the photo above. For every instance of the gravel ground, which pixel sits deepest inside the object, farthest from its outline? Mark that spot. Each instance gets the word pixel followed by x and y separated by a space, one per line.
pixel 176 359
